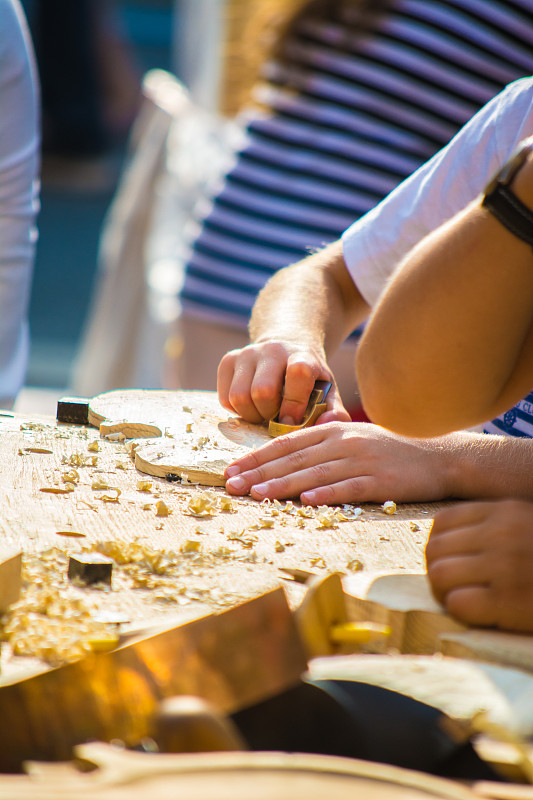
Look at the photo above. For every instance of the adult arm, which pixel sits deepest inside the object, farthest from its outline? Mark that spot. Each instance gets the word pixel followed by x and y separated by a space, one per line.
pixel 19 144
pixel 300 317
pixel 450 344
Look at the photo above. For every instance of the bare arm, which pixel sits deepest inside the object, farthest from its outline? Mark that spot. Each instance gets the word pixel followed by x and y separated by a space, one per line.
pixel 301 316
pixel 450 343
pixel 361 463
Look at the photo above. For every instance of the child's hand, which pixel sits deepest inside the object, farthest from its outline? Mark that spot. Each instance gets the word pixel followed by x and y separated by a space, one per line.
pixel 261 379
pixel 480 563
pixel 343 462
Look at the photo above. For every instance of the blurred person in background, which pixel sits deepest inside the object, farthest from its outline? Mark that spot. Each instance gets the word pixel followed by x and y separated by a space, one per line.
pixel 19 166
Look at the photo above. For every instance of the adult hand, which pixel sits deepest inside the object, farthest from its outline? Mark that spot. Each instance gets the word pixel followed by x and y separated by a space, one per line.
pixel 342 463
pixel 261 379
pixel 480 563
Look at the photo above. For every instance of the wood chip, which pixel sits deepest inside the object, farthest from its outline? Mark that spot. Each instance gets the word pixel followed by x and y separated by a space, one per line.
pixel 37 450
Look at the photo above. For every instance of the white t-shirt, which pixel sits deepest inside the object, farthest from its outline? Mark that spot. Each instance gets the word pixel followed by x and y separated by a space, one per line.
pixel 19 163
pixel 375 245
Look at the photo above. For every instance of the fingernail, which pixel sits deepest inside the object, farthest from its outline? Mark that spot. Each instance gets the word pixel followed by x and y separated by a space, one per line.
pixel 260 488
pixel 308 498
pixel 287 421
pixel 231 471
pixel 236 483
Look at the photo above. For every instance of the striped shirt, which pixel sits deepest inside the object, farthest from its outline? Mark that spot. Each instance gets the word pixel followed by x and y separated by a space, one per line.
pixel 341 124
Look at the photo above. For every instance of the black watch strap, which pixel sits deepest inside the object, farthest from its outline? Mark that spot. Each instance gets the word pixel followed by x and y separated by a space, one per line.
pixel 511 212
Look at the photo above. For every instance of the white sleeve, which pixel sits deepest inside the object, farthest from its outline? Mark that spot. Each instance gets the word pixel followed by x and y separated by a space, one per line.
pixel 19 164
pixel 375 244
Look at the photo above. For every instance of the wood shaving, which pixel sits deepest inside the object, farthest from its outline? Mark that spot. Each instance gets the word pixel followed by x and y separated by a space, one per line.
pixel 306 511
pixel 107 498
pixel 203 504
pixel 226 503
pixel 33 426
pixel 288 508
pixel 389 507
pixel 263 522
pixel 162 510
pixel 50 621
pixel 68 487
pixel 244 538
pixel 100 486
pixel 75 534
pixel 223 553
pixel 80 460
pixel 326 517
pixel 355 565
pixel 37 450
pixel 94 447
pixel 144 486
pixel 351 512
pixel 71 476
pixel 89 505
pixel 271 508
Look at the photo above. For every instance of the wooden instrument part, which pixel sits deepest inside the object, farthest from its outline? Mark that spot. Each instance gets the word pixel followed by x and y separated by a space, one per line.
pixel 227 776
pixel 232 659
pixel 198 438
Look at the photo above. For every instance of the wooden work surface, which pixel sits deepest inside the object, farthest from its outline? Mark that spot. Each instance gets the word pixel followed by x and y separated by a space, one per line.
pixel 179 551
pixel 236 557
pixel 185 563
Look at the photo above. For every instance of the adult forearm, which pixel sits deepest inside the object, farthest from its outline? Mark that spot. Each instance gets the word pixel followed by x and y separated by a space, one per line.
pixel 449 343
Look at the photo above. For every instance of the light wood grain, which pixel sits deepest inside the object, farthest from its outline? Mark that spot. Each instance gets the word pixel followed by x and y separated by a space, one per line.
pixel 234 659
pixel 420 625
pixel 230 776
pixel 10 576
pixel 195 437
pixel 236 557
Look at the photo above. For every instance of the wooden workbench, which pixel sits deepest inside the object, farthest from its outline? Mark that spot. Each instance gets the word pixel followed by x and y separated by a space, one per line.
pixel 183 563
pixel 220 558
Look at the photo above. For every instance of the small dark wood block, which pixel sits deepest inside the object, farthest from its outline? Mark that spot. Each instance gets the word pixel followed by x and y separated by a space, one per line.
pixel 90 568
pixel 74 410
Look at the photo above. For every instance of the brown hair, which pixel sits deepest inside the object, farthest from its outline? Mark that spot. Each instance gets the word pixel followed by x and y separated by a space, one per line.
pixel 260 29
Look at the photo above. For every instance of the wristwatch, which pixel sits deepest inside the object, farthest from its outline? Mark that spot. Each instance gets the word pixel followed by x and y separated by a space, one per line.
pixel 503 203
